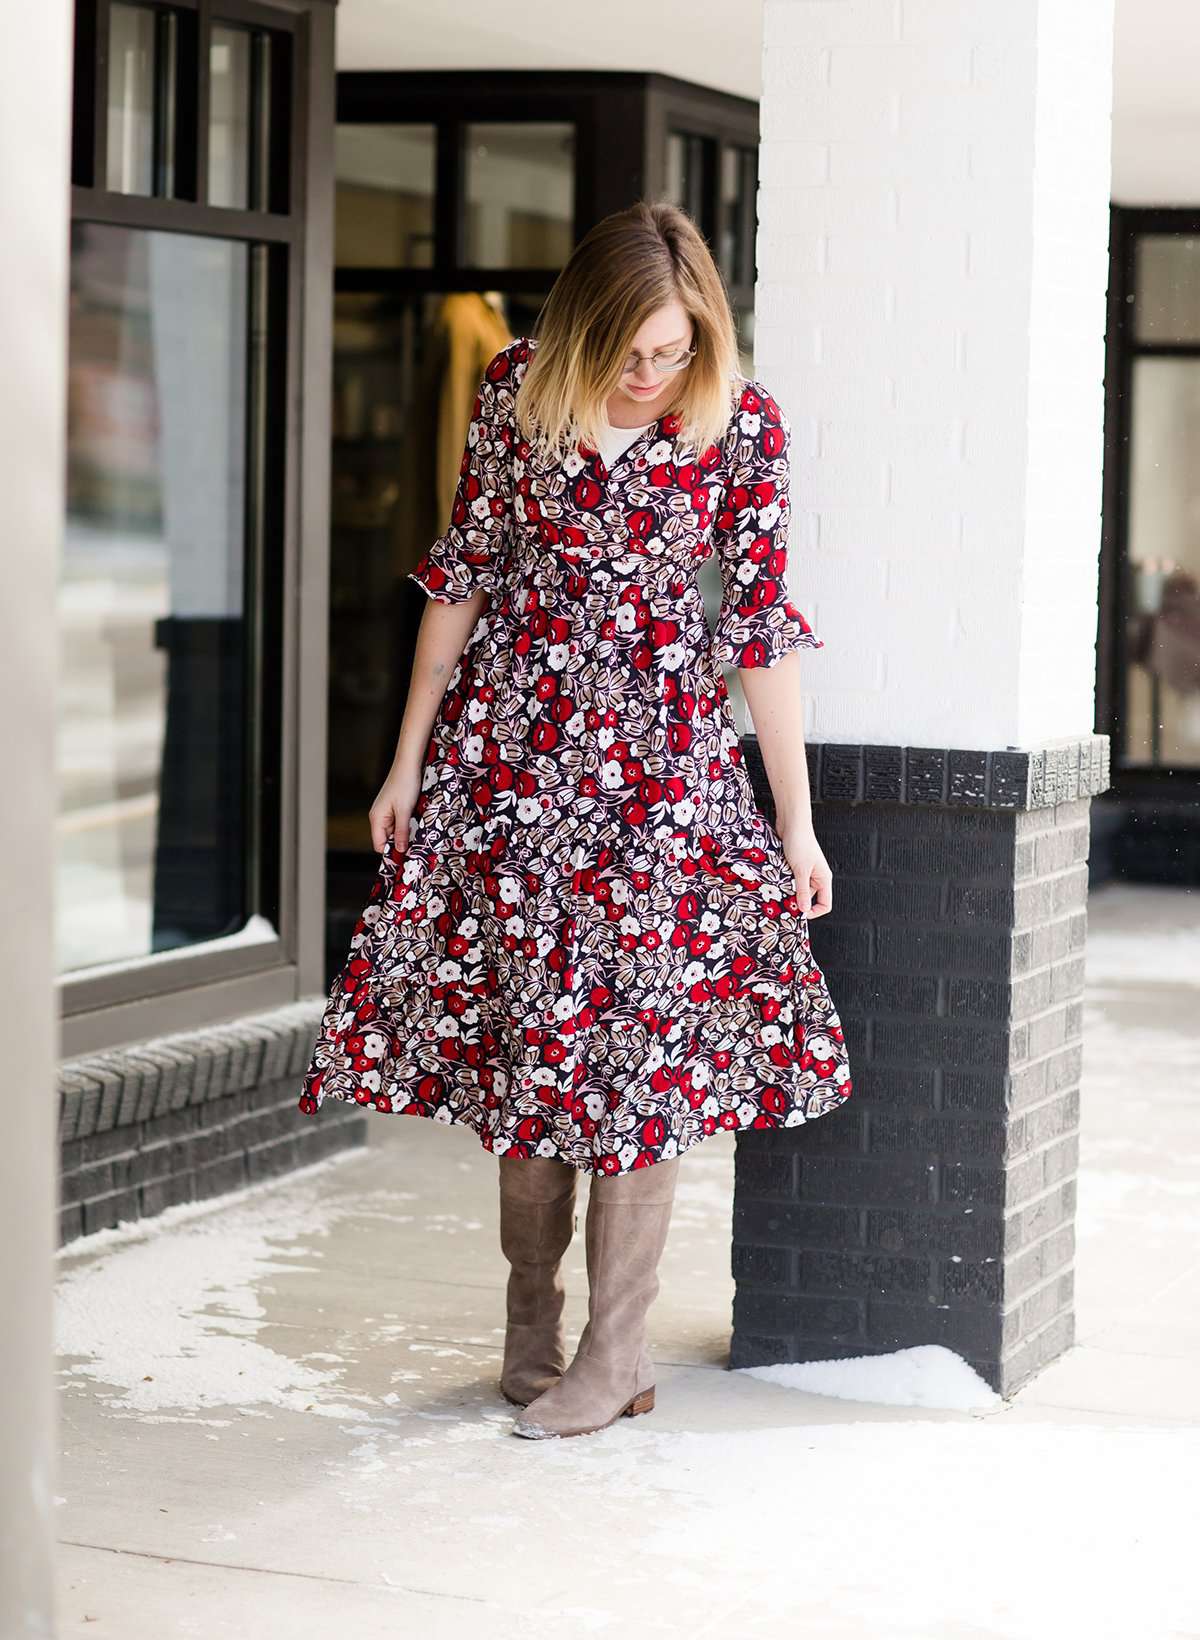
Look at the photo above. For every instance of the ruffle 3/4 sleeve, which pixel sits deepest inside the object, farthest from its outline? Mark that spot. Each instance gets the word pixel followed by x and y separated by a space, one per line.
pixel 757 624
pixel 466 557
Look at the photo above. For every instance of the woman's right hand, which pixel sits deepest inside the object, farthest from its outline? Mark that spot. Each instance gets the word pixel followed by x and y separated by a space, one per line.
pixel 391 811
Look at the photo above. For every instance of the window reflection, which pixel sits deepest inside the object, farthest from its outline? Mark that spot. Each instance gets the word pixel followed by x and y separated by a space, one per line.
pixel 739 185
pixel 1168 288
pixel 130 100
pixel 229 121
pixel 152 725
pixel 689 163
pixel 520 195
pixel 1162 717
pixel 385 189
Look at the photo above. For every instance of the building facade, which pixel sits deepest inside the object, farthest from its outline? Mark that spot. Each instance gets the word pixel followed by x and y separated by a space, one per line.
pixel 267 260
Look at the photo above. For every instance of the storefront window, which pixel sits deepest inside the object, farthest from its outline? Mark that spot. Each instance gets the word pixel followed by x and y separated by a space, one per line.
pixel 155 707
pixel 180 543
pixel 520 195
pixel 735 239
pixel 1158 660
pixel 132 80
pixel 1168 288
pixel 689 170
pixel 385 193
pixel 1162 724
pixel 229 117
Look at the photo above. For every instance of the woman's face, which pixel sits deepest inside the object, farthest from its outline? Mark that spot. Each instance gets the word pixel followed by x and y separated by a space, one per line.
pixel 644 389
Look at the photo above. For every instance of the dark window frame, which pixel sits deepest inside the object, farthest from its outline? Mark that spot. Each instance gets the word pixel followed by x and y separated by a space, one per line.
pixel 623 116
pixel 1128 224
pixel 286 543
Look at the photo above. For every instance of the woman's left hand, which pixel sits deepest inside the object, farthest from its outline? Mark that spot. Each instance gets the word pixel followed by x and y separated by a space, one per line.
pixel 814 879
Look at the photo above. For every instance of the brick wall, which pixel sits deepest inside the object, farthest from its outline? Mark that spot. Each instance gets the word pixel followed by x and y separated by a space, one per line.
pixel 937 1205
pixel 185 1117
pixel 933 225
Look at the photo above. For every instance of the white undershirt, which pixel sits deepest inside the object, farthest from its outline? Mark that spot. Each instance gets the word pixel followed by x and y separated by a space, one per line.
pixel 614 441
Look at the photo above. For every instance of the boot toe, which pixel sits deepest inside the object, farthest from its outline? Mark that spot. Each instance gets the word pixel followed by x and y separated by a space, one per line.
pixel 534 1432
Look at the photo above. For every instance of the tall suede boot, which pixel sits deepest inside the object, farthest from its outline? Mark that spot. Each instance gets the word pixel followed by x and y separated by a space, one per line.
pixel 537 1221
pixel 612 1375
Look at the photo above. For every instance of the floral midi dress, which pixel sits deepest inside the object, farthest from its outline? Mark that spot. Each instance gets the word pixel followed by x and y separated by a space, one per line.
pixel 591 946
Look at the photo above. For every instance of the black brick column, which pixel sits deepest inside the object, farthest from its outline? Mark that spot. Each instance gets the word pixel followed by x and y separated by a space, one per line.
pixel 937 1205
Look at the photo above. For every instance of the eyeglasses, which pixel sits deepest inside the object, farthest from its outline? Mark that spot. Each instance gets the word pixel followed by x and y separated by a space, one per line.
pixel 672 358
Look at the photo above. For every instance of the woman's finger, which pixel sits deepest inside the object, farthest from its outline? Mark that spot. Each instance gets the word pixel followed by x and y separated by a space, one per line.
pixel 382 820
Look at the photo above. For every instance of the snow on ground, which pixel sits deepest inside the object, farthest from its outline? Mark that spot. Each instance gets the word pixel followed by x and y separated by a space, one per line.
pixel 335 1337
pixel 928 1375
pixel 180 1293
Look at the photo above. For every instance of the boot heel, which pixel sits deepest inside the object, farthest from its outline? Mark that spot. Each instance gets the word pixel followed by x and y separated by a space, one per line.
pixel 641 1403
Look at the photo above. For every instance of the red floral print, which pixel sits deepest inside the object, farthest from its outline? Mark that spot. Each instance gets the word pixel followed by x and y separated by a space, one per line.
pixel 592 945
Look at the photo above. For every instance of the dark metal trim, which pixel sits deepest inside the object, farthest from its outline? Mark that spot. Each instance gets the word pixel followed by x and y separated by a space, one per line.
pixel 385 280
pixel 421 96
pixel 448 210
pixel 85 101
pixel 187 110
pixel 250 15
pixel 181 216
pixel 1012 778
pixel 203 85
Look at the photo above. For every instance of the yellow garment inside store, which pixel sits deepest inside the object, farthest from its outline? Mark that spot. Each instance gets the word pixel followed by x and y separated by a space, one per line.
pixel 474 330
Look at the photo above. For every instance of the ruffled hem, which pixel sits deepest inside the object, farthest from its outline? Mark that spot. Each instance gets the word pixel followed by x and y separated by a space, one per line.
pixel 452 573
pixel 749 639
pixel 472 1117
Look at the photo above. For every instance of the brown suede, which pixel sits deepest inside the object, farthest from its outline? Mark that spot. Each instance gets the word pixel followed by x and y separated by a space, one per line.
pixel 537 1221
pixel 628 1216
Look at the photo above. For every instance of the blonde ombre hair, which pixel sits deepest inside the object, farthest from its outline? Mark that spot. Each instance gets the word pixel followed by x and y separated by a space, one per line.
pixel 630 264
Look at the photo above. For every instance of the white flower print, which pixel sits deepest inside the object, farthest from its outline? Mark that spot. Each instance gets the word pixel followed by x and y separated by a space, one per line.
pixel 590 946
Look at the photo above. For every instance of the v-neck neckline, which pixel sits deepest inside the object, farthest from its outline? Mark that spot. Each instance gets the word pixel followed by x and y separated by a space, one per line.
pixel 643 432
pixel 649 433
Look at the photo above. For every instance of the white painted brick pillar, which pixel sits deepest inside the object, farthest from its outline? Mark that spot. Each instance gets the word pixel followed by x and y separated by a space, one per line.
pixel 932 253
pixel 932 259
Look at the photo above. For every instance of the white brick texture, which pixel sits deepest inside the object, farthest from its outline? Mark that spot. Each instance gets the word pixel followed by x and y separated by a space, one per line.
pixel 932 253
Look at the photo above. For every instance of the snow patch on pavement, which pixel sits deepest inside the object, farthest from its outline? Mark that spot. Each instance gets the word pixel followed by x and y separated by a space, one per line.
pixel 928 1375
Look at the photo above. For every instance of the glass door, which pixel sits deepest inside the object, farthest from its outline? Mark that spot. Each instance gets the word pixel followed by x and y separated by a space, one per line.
pixel 449 234
pixel 1159 657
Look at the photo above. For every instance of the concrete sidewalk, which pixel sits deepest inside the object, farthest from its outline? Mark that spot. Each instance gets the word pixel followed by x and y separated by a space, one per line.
pixel 280 1414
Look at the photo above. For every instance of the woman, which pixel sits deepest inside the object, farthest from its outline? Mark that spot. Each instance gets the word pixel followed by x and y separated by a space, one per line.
pixel 585 941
